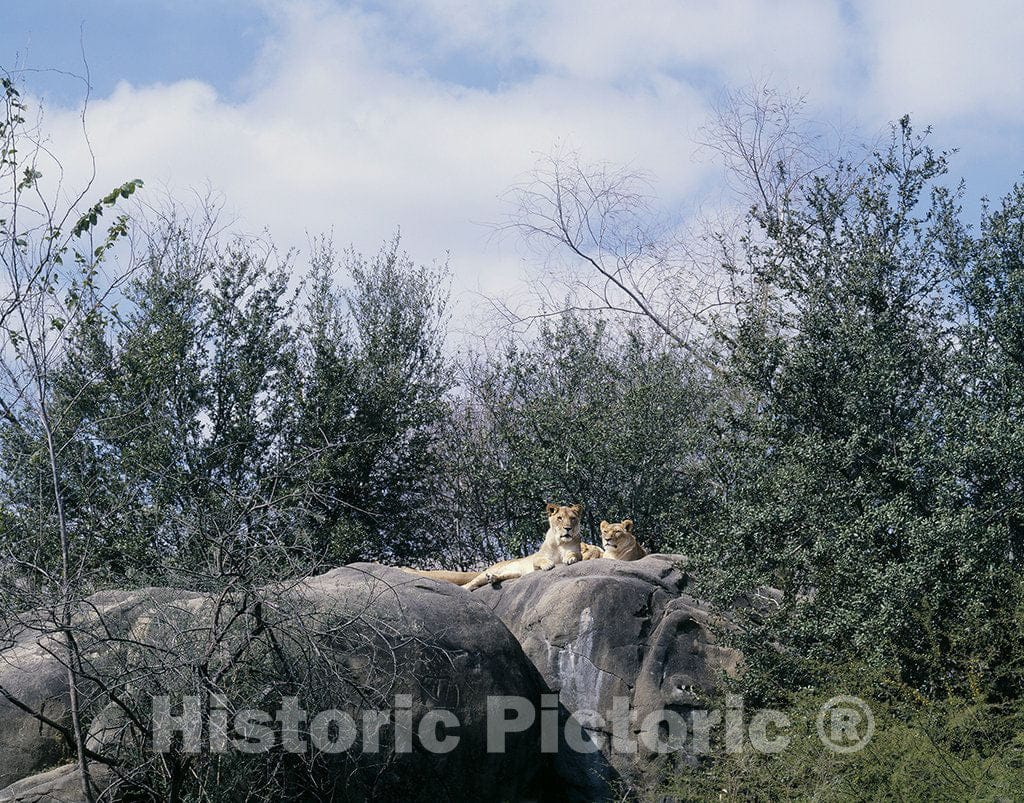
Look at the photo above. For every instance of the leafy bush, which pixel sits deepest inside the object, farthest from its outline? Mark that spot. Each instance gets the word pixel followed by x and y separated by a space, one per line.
pixel 949 749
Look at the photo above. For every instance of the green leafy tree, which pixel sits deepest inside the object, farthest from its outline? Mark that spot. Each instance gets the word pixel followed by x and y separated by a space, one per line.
pixel 844 485
pixel 582 414
pixel 374 394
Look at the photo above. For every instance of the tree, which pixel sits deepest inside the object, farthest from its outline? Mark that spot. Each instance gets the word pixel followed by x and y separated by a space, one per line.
pixel 844 485
pixel 597 231
pixel 578 415
pixel 769 148
pixel 374 388
pixel 153 422
pixel 608 250
pixel 53 298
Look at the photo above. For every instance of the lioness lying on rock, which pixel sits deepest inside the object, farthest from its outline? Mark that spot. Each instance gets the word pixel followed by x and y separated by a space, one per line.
pixel 619 542
pixel 561 545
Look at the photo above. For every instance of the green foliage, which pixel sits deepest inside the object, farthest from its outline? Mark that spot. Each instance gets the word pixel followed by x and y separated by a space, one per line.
pixel 373 401
pixel 859 387
pixel 217 429
pixel 91 217
pixel 582 414
pixel 941 750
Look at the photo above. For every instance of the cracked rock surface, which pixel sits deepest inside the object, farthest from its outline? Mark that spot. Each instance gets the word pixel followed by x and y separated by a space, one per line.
pixel 600 630
pixel 593 633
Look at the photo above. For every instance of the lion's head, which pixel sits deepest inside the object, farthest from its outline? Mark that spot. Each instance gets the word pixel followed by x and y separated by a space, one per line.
pixel 617 538
pixel 565 521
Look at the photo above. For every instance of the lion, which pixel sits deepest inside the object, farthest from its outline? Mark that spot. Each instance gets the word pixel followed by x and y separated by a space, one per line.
pixel 458 578
pixel 561 545
pixel 619 542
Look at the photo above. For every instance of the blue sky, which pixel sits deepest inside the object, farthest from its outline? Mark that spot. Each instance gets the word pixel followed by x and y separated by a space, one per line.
pixel 310 115
pixel 142 41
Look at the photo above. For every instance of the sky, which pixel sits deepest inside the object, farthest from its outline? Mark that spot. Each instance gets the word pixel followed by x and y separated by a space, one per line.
pixel 357 118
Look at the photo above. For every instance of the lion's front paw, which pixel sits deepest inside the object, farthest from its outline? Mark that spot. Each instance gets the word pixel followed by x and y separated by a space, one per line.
pixel 545 563
pixel 571 558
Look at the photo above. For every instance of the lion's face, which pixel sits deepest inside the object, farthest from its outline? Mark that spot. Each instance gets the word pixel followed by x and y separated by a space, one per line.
pixel 617 538
pixel 565 521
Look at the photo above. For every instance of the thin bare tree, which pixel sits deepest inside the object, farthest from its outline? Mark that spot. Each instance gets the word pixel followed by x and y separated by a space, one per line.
pixel 769 146
pixel 52 286
pixel 606 248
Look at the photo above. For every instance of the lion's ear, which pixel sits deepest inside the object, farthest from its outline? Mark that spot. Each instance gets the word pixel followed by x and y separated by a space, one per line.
pixel 604 525
pixel 627 525
pixel 551 508
pixel 578 508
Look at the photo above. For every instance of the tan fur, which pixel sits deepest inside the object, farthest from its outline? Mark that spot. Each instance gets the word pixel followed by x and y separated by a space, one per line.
pixel 591 552
pixel 561 545
pixel 458 578
pixel 619 542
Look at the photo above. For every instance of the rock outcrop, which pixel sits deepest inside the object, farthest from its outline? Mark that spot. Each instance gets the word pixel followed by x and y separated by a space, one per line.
pixel 59 785
pixel 598 634
pixel 359 639
pixel 603 629
pixel 34 679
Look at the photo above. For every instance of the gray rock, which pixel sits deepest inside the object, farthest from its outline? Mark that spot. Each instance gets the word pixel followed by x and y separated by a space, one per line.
pixel 453 654
pixel 33 675
pixel 30 673
pixel 600 630
pixel 349 640
pixel 59 785
pixel 354 638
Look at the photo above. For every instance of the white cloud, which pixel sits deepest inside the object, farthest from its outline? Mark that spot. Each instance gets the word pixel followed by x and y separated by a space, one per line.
pixel 333 135
pixel 730 40
pixel 345 124
pixel 947 59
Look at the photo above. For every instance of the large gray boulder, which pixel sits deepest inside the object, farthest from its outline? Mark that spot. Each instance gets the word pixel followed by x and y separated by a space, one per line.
pixel 34 678
pixel 360 638
pixel 603 629
pixel 571 642
pixel 30 673
pixel 59 785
